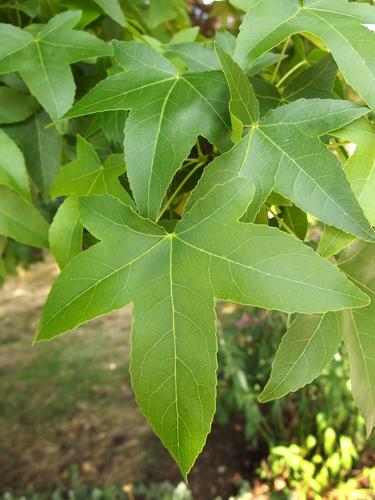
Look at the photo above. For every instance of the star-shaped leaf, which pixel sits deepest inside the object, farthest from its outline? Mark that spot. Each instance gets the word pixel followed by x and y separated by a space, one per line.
pixel 164 105
pixel 339 24
pixel 283 153
pixel 43 56
pixel 172 279
pixel 84 176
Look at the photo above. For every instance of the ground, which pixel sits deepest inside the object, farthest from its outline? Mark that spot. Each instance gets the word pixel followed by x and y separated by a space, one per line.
pixel 69 403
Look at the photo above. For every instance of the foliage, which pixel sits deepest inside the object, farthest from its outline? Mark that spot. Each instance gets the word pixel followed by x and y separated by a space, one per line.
pixel 312 472
pixel 228 144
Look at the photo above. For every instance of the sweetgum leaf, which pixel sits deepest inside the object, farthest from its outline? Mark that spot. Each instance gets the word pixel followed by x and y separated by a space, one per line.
pixel 283 153
pixel 305 350
pixel 316 81
pixel 172 279
pixel 12 167
pixel 359 333
pixel 163 105
pixel 84 176
pixel 333 241
pixel 197 57
pixel 42 148
pixel 243 104
pixel 66 232
pixel 15 106
pixel 113 9
pixel 20 220
pixel 339 24
pixel 87 175
pixel 43 59
pixel 360 170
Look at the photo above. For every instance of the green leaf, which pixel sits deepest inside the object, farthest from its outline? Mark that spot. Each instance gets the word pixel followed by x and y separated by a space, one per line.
pixel 43 58
pixel 316 81
pixel 172 279
pixel 15 106
pixel 197 57
pixel 283 153
pixel 305 350
pixel 244 5
pixel 86 175
pixel 187 35
pixel 159 12
pixel 66 232
pixel 12 167
pixel 42 148
pixel 359 332
pixel 340 25
pixel 296 220
pixel 21 221
pixel 243 104
pixel 360 168
pixel 113 9
pixel 333 241
pixel 323 335
pixel 163 104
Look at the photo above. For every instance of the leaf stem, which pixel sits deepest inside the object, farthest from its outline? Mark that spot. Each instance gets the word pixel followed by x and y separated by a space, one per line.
pixel 180 186
pixel 282 223
pixel 290 73
pixel 282 53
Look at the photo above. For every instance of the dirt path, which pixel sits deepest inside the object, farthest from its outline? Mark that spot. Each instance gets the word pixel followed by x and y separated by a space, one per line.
pixel 69 403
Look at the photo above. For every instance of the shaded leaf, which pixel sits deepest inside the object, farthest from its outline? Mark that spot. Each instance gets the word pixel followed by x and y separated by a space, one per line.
pixel 333 241
pixel 163 104
pixel 339 24
pixel 21 221
pixel 316 81
pixel 15 106
pixel 42 148
pixel 243 104
pixel 12 167
pixel 66 232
